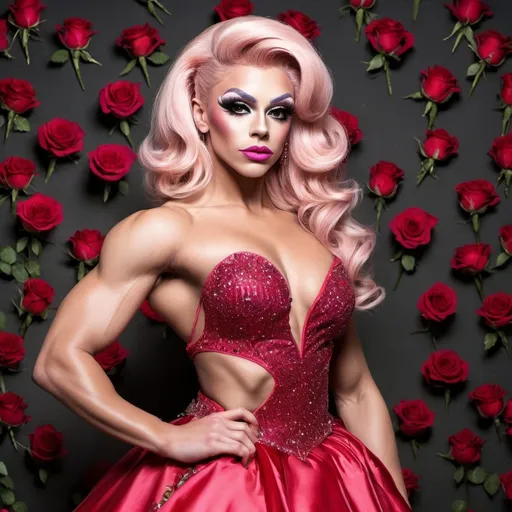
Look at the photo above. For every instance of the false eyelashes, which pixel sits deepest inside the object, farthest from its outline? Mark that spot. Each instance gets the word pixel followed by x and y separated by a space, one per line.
pixel 236 107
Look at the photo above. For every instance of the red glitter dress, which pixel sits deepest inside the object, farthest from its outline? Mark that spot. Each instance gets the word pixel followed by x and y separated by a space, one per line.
pixel 306 460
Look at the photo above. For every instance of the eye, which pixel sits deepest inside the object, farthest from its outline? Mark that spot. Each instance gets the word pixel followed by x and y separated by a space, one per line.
pixel 234 108
pixel 284 113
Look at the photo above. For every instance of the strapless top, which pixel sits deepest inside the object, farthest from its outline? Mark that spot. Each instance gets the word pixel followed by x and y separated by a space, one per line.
pixel 247 303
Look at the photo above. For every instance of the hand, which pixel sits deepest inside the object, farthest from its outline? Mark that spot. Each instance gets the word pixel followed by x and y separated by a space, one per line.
pixel 227 432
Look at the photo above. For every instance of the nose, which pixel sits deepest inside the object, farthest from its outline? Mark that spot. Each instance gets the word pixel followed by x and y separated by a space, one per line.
pixel 259 127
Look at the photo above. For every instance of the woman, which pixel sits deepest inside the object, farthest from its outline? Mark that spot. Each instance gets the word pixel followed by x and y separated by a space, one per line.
pixel 255 261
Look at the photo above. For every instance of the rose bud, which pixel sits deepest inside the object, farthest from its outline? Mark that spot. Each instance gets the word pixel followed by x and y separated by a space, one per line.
pixel 86 244
pixel 4 42
pixel 140 40
pixel 362 4
pixel 413 227
pixel 26 13
pixel 506 483
pixel 12 350
pixel 439 144
pixel 75 33
pixel 506 238
pixel 37 295
pixel 493 47
pixel 349 122
pixel 17 95
pixel 471 258
pixel 415 417
pixel 444 368
pixel 46 444
pixel 121 98
pixel 111 356
pixel 12 410
pixel 507 413
pixel 438 302
pixel 501 152
pixel 411 480
pixel 466 447
pixel 16 172
pixel 229 9
pixel 384 178
pixel 111 162
pixel 476 196
pixel 389 36
pixel 496 310
pixel 39 213
pixel 300 22
pixel 438 84
pixel 506 89
pixel 488 399
pixel 469 12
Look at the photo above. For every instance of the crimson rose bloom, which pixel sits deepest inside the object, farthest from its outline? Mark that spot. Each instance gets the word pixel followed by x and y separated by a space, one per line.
pixel 121 98
pixel 507 413
pixel 16 172
pixel 506 482
pixel 61 137
pixel 39 213
pixel 111 162
pixel 37 295
pixel 438 302
pixel 300 22
pixel 46 444
pixel 12 409
pixel 476 196
pixel 488 399
pixel 4 42
pixel 349 122
pixel 389 36
pixel 506 89
pixel 111 356
pixel 505 236
pixel 496 310
pixel 438 84
pixel 384 177
pixel 413 227
pixel 75 33
pixel 415 416
pixel 229 9
pixel 471 258
pixel 86 244
pixel 493 47
pixel 466 447
pixel 26 13
pixel 469 12
pixel 140 40
pixel 362 4
pixel 12 350
pixel 444 367
pixel 411 480
pixel 501 151
pixel 440 141
pixel 18 95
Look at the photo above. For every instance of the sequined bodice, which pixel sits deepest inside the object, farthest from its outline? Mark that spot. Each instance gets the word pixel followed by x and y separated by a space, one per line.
pixel 247 303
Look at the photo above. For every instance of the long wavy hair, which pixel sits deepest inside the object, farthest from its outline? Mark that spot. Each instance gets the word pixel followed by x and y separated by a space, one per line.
pixel 311 183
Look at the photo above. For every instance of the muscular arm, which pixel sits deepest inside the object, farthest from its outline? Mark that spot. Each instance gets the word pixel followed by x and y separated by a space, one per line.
pixel 95 312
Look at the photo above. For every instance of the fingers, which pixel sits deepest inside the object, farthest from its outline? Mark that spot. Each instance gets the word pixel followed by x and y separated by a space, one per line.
pixel 244 427
pixel 241 413
pixel 238 448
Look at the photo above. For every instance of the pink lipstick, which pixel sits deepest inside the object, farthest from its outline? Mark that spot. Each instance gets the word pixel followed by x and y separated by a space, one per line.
pixel 257 153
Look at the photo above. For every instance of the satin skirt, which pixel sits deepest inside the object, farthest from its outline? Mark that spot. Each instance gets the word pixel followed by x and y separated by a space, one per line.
pixel 340 475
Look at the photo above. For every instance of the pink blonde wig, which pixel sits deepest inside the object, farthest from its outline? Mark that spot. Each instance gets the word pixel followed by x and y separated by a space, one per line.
pixel 178 163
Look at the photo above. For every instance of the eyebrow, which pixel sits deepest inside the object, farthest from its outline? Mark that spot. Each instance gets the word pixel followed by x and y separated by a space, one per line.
pixel 246 96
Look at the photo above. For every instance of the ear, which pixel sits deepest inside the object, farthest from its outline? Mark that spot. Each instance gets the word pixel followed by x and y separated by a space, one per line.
pixel 199 114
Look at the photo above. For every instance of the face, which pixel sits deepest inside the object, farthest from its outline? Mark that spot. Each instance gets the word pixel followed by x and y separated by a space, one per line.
pixel 248 118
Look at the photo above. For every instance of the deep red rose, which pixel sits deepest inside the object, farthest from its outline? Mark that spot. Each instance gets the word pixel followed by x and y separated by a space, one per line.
pixel 415 416
pixel 505 236
pixel 411 480
pixel 493 47
pixel 469 12
pixel 140 40
pixel 12 350
pixel 440 141
pixel 61 137
pixel 496 310
pixel 471 258
pixel 384 178
pixel 111 356
pixel 389 36
pixel 466 447
pixel 94 474
pixel 121 98
pixel 506 482
pixel 477 195
pixel 4 42
pixel 506 89
pixel 46 444
pixel 307 26
pixel 501 151
pixel 438 84
pixel 229 9
pixel 39 213
pixel 507 413
pixel 488 399
pixel 37 295
pixel 12 409
pixel 75 33
pixel 26 13
pixel 111 162
pixel 349 122
pixel 438 302
pixel 150 313
pixel 86 244
pixel 18 95
pixel 16 172
pixel 413 227
pixel 444 367
pixel 362 4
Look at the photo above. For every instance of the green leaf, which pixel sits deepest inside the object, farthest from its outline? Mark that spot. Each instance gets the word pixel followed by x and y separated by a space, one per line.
pixel 19 506
pixel 81 271
pixel 21 244
pixel 3 469
pixel 123 187
pixel 492 484
pixel 8 255
pixel 33 268
pixel 19 272
pixel 476 475
pixel 490 340
pixel 43 475
pixel 473 69
pixel 376 63
pixel 5 268
pixel 414 96
pixel 60 56
pixel 7 496
pixel 88 58
pixel 6 481
pixel 106 192
pixel 158 58
pixel 502 259
pixel 2 121
pixel 21 124
pixel 125 127
pixel 458 476
pixel 408 262
pixel 459 506
pixel 36 246
pixel 128 67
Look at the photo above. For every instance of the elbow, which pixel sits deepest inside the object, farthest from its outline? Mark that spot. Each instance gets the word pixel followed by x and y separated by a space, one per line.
pixel 40 375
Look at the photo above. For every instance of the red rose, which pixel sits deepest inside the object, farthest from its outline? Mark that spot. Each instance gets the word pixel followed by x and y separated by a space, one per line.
pixel 16 172
pixel 229 9
pixel 415 416
pixel 413 227
pixel 150 313
pixel 12 350
pixel 444 367
pixel 506 89
pixel 507 413
pixel 12 409
pixel 439 144
pixel 438 302
pixel 61 137
pixel 411 480
pixel 75 33
pixel 86 244
pixel 496 310
pixel 384 177
pixel 94 474
pixel 438 84
pixel 121 98
pixel 39 213
pixel 17 95
pixel 471 258
pixel 466 447
pixel 4 42
pixel 493 47
pixel 476 196
pixel 300 22
pixel 111 356
pixel 469 12
pixel 140 40
pixel 501 151
pixel 349 122
pixel 46 444
pixel 111 162
pixel 488 399
pixel 26 13
pixel 362 4
pixel 506 482
pixel 389 36
pixel 505 236
pixel 37 295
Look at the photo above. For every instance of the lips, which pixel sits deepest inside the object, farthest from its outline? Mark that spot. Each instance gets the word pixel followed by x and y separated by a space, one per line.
pixel 258 149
